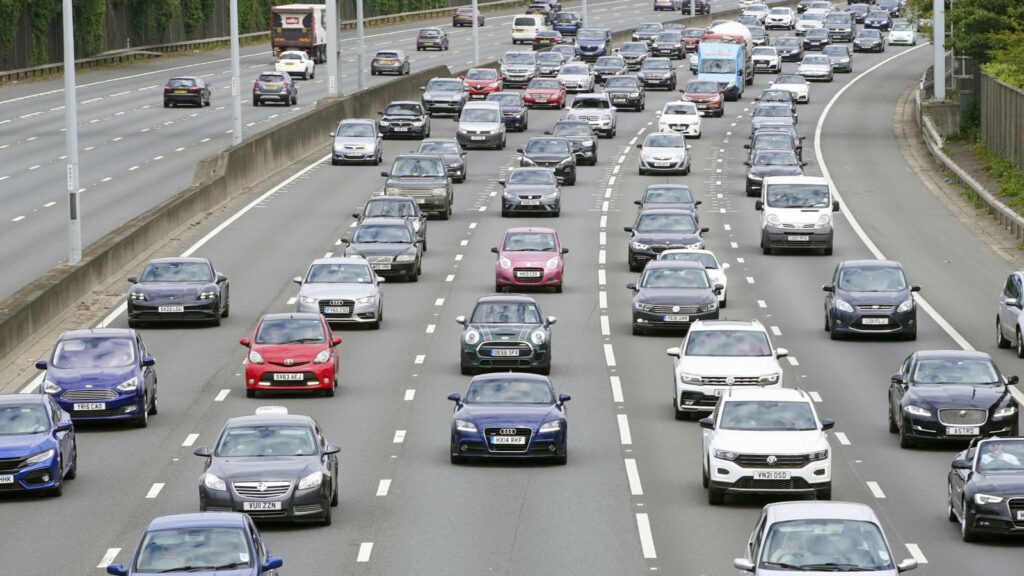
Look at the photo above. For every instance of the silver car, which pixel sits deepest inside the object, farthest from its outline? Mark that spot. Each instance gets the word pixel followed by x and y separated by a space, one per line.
pixel 664 152
pixel 576 77
pixel 357 140
pixel 344 290
pixel 816 67
pixel 596 110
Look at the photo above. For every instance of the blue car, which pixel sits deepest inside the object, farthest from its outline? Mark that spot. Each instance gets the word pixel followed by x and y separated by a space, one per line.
pixel 870 297
pixel 568 23
pixel 37 445
pixel 509 415
pixel 102 374
pixel 210 543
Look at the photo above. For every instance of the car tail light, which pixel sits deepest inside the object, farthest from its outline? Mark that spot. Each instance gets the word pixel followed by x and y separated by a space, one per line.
pixel 193 89
pixel 168 89
pixel 285 85
pixel 255 84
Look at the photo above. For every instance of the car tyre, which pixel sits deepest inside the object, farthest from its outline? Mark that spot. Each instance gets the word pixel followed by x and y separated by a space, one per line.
pixel 458 459
pixel 563 459
pixel 143 420
pixel 724 302
pixel 823 493
pixel 716 497
pixel 73 471
pixel 950 512
pixel 334 495
pixel 893 427
pixel 465 370
pixel 326 520
pixel 250 393
pixel 905 441
pixel 329 393
pixel 58 490
pixel 967 533
pixel 1020 344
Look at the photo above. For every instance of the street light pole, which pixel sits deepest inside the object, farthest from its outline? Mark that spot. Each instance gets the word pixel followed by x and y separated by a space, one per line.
pixel 332 47
pixel 476 33
pixel 939 27
pixel 71 137
pixel 236 74
pixel 361 61
pixel 584 13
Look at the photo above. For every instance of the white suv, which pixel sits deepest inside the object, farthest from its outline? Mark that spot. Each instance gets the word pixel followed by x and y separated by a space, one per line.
pixel 766 441
pixel 717 355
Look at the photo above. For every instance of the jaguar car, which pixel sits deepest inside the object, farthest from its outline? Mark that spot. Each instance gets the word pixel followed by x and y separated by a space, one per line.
pixel 39 451
pixel 671 295
pixel 178 290
pixel 291 352
pixel 506 332
pixel 660 229
pixel 390 246
pixel 529 258
pixel 986 489
pixel 344 290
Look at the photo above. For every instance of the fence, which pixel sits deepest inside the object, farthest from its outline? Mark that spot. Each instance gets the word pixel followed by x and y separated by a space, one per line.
pixel 1002 119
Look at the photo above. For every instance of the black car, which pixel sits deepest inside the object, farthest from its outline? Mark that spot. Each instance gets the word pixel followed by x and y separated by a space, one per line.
pixel 404 120
pixel 860 11
pixel 891 6
pixel 444 96
pixel 271 466
pixel 986 489
pixel 657 73
pixel 660 229
pixel 592 43
pixel 768 114
pixel 770 139
pixel 550 63
pixel 626 92
pixel 276 87
pixel 950 395
pixel 513 110
pixel 667 196
pixel 869 41
pixel 547 39
pixel 669 43
pixel 396 207
pixel 634 53
pixel 432 39
pixel 782 126
pixel 454 156
pixel 878 20
pixel 186 90
pixel 530 191
pixel 582 138
pixel 647 32
pixel 505 332
pixel 790 48
pixel 771 163
pixel 801 6
pixel 870 297
pixel 550 152
pixel 671 295
pixel 698 6
pixel 178 290
pixel 541 10
pixel 816 39
pixel 390 245
pixel 607 66
pixel 463 16
pixel 841 57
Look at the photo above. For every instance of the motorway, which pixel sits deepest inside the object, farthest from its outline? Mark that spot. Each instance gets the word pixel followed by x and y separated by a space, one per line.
pixel 629 501
pixel 134 154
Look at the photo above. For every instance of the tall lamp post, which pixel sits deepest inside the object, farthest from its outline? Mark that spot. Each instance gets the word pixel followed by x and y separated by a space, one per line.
pixel 71 138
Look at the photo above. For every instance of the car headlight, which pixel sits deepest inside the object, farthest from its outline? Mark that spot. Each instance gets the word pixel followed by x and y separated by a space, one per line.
pixel 553 426
pixel 41 457
pixel 982 499
pixel 472 336
pixel 508 195
pixel 819 455
pixel 695 246
pixel 755 177
pixel 439 191
pixel 824 220
pixel 505 263
pixel 726 454
pixel 639 245
pixel 129 385
pixel 666 76
pixel 366 300
pixel 255 357
pixel 566 161
pixel 550 196
pixel 906 306
pixel 773 219
pixel 552 263
pixel 843 305
pixel 308 300
pixel 708 307
pixel 769 378
pixel 207 295
pixel 385 123
pixel 50 388
pixel 214 483
pixel 137 295
pixel 311 481
pixel 465 426
pixel 417 122
pixel 1005 411
pixel 391 190
pixel 538 337
pixel 405 258
pixel 527 162
pixel 323 356
pixel 917 410
pixel 643 307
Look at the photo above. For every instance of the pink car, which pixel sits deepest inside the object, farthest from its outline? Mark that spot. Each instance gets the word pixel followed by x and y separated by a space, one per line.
pixel 529 257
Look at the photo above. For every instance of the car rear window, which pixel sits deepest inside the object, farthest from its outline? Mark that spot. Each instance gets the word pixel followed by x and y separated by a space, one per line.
pixel 181 83
pixel 271 78
pixel 524 21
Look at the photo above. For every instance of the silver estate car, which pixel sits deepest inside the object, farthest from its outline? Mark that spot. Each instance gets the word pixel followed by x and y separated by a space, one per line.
pixel 344 290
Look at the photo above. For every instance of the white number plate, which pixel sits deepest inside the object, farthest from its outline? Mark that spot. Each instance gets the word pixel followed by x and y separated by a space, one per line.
pixel 514 440
pixel 1020 513
pixel 421 200
pixel 248 506
pixel 6 478
pixel 962 430
pixel 875 321
pixel 528 274
pixel 476 137
pixel 771 474
pixel 509 352
pixel 401 128
pixel 676 318
pixel 541 98
pixel 380 266
pixel 289 376
pixel 336 310
pixel 89 406
pixel 530 202
pixel 795 238
pixel 662 164
pixel 171 309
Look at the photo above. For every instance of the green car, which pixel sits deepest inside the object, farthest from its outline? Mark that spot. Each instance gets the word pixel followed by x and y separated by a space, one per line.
pixel 506 332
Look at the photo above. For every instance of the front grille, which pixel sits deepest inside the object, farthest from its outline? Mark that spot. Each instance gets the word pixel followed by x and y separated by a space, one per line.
pixel 379 259
pixel 670 309
pixel 782 461
pixel 659 248
pixel 267 513
pixel 723 380
pixel 541 164
pixel 679 126
pixel 9 465
pixel 270 489
pixel 324 304
pixel 876 308
pixel 89 395
pixel 287 365
pixel 962 416
pixel 485 349
pixel 748 483
pixel 489 433
pixel 1016 507
pixel 528 274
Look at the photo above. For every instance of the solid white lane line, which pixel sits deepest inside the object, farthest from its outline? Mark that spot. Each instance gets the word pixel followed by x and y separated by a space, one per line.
pixel 616 389
pixel 643 525
pixel 108 557
pixel 133 168
pixel 190 440
pixel 915 552
pixel 382 488
pixel 154 490
pixel 792 361
pixel 602 300
pixel 399 437
pixel 439 302
pixel 815 396
pixel 625 438
pixel 609 355
pixel 222 395
pixel 33 384
pixel 431 328
pixel 876 490
pixel 420 358
pixel 36 167
pixel 410 394
pixel 365 549
pixel 107 179
pixel 842 438
pixel 776 331
pixel 605 329
pixel 633 474
pixel 17 219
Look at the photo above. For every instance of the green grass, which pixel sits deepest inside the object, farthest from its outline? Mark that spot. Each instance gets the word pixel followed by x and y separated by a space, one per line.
pixel 1006 173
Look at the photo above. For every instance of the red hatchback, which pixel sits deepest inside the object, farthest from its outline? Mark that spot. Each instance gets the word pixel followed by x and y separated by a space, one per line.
pixel 482 81
pixel 291 352
pixel 544 92
pixel 529 258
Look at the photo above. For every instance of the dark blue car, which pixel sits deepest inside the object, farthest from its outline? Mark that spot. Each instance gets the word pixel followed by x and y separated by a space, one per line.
pixel 37 445
pixel 870 297
pixel 102 374
pixel 568 23
pixel 509 415
pixel 592 43
pixel 207 543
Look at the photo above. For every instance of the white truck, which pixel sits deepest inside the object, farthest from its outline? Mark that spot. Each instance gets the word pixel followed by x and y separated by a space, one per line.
pixel 299 27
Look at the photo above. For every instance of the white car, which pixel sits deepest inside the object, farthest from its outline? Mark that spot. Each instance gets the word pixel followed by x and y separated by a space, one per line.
pixel 296 63
pixel 780 18
pixel 766 441
pixel 796 85
pixel 576 77
pixel 766 59
pixel 816 67
pixel 822 8
pixel 759 11
pixel 597 110
pixel 681 117
pixel 809 20
pixel 715 269
pixel 902 33
pixel 718 355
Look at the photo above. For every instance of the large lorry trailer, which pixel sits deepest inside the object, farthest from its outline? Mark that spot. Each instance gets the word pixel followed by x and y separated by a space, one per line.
pixel 299 27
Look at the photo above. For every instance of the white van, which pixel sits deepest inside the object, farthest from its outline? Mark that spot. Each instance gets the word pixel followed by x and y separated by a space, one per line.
pixel 526 26
pixel 796 213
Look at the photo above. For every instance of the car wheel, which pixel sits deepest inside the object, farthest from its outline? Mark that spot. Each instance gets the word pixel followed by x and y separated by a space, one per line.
pixel 255 102
pixel 334 495
pixel 716 497
pixel 827 251
pixel 167 104
pixel 724 302
pixel 329 393
pixel 216 321
pixel 823 493
pixel 912 335
pixel 683 415
pixel 143 420
pixel 1020 344
pixel 153 407
pixel 545 370
pixel 326 520
pixel 227 309
pixel 893 427
pixel 967 533
pixel 905 441
pixel 58 490
pixel 458 459
pixel 950 512
pixel 73 471
pixel 134 323
pixel 312 73
pixel 466 370
pixel 563 459
pixel 637 330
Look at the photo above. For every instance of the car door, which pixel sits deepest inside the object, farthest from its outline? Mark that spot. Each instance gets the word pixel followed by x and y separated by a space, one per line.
pixel 830 295
pixel 756 535
pixel 65 439
pixel 959 480
pixel 148 372
pixel 1009 305
pixel 898 389
pixel 328 461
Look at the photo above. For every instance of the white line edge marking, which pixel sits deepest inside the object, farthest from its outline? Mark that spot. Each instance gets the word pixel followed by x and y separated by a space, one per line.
pixel 643 526
pixel 633 475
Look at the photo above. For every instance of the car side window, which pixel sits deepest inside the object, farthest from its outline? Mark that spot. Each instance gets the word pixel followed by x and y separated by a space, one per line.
pixel 755 541
pixel 142 347
pixel 1013 287
pixel 257 541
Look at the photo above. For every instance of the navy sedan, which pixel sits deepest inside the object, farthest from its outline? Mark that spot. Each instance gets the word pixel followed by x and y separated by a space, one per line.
pixel 102 374
pixel 178 290
pixel 870 297
pixel 509 415
pixel 37 445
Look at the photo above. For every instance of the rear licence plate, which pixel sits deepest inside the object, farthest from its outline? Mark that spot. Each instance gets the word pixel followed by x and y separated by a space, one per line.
pixel 529 274
pixel 337 310
pixel 380 266
pixel 512 352
pixel 771 474
pixel 89 406
pixel 248 506
pixel 181 91
pixel 289 376
pixel 7 479
pixel 514 440
pixel 676 318
pixel 171 309
pixel 963 430
pixel 875 321
pixel 271 86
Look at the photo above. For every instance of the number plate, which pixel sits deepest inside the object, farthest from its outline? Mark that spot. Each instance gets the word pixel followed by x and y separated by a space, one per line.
pixel 530 202
pixel 796 238
pixel 477 137
pixel 505 352
pixel 380 266
pixel 1020 513
pixel 171 309
pixel 401 128
pixel 6 478
pixel 514 440
pixel 181 91
pixel 662 164
pixel 541 98
pixel 676 318
pixel 89 406
pixel 421 200
pixel 528 274
pixel 874 321
pixel 289 376
pixel 337 310
pixel 248 506
pixel 962 430
pixel 771 474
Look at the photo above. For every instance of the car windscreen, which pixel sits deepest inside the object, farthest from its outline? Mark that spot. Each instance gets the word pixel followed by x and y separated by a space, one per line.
pixel 590 35
pixel 901 27
pixel 649 27
pixel 24 419
pixel 955 371
pixel 480 115
pixel 181 83
pixel 780 11
pixel 703 258
pixel 180 550
pixel 717 66
pixel 665 141
pixel 785 79
pixel 835 50
pixel 766 415
pixel 290 331
pixel 94 352
pixel 798 196
pixel 444 85
pixel 518 58
pixel 376 234
pixel 529 242
pixel 266 441
pixel 548 146
pixel 389 208
pixel 674 278
pixel 438 148
pixel 817 61
pixel 681 109
pixel 482 74
pixel 339 274
pixel 505 313
pixel 701 87
pixel 359 130
pixel 1001 457
pixel 693 33
pixel 565 17
pixel 621 82
pixel 544 84
pixel 776 158
pixel 550 58
pixel 572 129
pixel 633 48
pixel 776 96
pixel 292 56
pixel 806 545
pixel 667 223
pixel 878 14
pixel 609 61
pixel 386 56
pixel 531 177
pixel 430 33
pixel 728 343
pixel 177 272
pixel 816 33
pixel 271 78
pixel 407 109
pixel 509 391
pixel 505 98
pixel 667 37
pixel 764 51
pixel 787 42
pixel 591 103
pixel 872 279
pixel 418 167
pixel 870 33
pixel 668 195
pixel 773 112
pixel 574 70
pixel 815 16
pixel 656 64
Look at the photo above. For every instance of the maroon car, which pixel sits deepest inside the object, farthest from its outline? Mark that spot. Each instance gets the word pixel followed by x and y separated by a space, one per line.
pixel 707 95
pixel 544 92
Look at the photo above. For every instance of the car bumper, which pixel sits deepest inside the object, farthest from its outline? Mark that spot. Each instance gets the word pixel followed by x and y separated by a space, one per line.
pixel 843 67
pixel 122 407
pixel 353 156
pixel 685 130
pixel 479 140
pixel 654 321
pixel 798 238
pixel 387 69
pixel 854 322
pixel 550 102
pixel 668 51
pixel 440 107
pixel 394 269
pixel 528 277
pixel 820 76
pixel 482 92
pixel 904 41
pixel 767 66
pixel 665 83
pixel 314 377
pixel 518 79
pixel 707 108
pixel 429 203
pixel 626 101
pixel 358 313
pixel 585 154
pixel 540 358
pixel 995 519
pixel 473 445
pixel 146 311
pixel 663 167
pixel 729 477
pixel 279 96
pixel 930 428
pixel 42 476
pixel 404 131
pixel 457 172
pixel 698 398
pixel 591 56
pixel 296 505
pixel 193 98
pixel 517 207
pixel 430 46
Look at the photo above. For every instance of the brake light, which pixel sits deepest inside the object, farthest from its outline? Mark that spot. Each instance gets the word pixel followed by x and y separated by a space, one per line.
pixel 193 89
pixel 168 89
pixel 285 85
pixel 255 84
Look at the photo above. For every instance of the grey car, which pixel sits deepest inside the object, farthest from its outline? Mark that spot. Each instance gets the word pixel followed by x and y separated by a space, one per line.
pixel 772 114
pixel 658 73
pixel 396 207
pixel 423 177
pixel 275 86
pixel 582 138
pixel 634 53
pixel 549 63
pixel 481 125
pixel 530 191
pixel 444 96
pixel 389 245
pixel 344 290
pixel 669 43
pixel 607 66
pixel 357 140
pixel 626 91
pixel 454 156
pixel 841 57
pixel 664 152
pixel 596 110
pixel 390 62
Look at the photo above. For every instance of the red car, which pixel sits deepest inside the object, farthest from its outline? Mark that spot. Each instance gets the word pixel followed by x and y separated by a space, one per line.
pixel 707 95
pixel 529 258
pixel 691 38
pixel 290 352
pixel 544 92
pixel 482 81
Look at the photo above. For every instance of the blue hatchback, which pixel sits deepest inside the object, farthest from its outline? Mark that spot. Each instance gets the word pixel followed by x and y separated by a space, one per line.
pixel 37 444
pixel 221 543
pixel 102 374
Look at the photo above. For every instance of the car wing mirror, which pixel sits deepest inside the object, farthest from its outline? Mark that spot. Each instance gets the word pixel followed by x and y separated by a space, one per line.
pixel 564 250
pixel 743 564
pixel 244 342
pixel 502 181
pixel 335 340
pixel 563 398
pixel 707 423
pixel 550 320
pixel 631 286
pixel 1012 379
pixel 759 205
pixel 718 288
pixel 460 320
pixel 133 280
pixel 781 352
pixel 827 423
pixel 384 173
pixel 148 361
pixel 639 145
pixel 835 203
pixel 896 378
pixel 746 146
pixel 297 279
pixel 271 564
pixel 203 452
pixel 828 287
pixel 915 287
pixel 494 249
pixel 961 464
pixel 627 228
pixel 41 364
pixel 674 352
pixel 455 397
pixel 331 449
pixel 380 279
pixel 906 565
pixel 117 570
pixel 704 229
pixel 331 134
pixel 346 240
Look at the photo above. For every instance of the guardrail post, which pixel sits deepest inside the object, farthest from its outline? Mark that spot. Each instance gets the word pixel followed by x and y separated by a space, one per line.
pixel 939 20
pixel 362 45
pixel 476 32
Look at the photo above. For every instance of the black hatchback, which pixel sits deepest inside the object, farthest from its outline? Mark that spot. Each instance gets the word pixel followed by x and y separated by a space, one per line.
pixel 186 90
pixel 551 152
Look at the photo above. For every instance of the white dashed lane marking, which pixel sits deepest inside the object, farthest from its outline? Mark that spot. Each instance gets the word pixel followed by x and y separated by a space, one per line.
pixel 643 525
pixel 190 440
pixel 410 394
pixel 222 395
pixel 383 487
pixel 625 437
pixel 365 549
pixel 154 490
pixel 815 396
pixel 842 439
pixel 609 355
pixel 915 552
pixel 616 389
pixel 399 437
pixel 108 557
pixel 633 475
pixel 876 490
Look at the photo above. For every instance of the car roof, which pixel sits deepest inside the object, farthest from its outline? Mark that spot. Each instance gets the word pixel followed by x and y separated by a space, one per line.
pixel 340 260
pixel 795 180
pixel 100 332
pixel 758 393
pixel 707 325
pixel 487 104
pixel 517 298
pixel 664 185
pixel 436 140
pixel 870 264
pixel 689 211
pixel 393 102
pixel 532 229
pixel 198 520
pixel 416 155
pixel 957 354
pixel 504 375
pixel 529 169
pixel 20 399
pixel 385 221
pixel 358 120
pixel 391 198
pixel 679 264
pixel 268 420
pixel 179 259
pixel 819 509
pixel 291 315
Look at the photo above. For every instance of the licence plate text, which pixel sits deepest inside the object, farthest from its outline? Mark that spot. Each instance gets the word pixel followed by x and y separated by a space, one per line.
pixel 380 266
pixel 289 376
pixel 171 309
pixel 512 352
pixel 514 440
pixel 6 478
pixel 528 274
pixel 771 474
pixel 531 202
pixel 261 506
pixel 676 318
pixel 401 128
pixel 963 430
pixel 337 310
pixel 89 406
pixel 798 238
pixel 875 321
